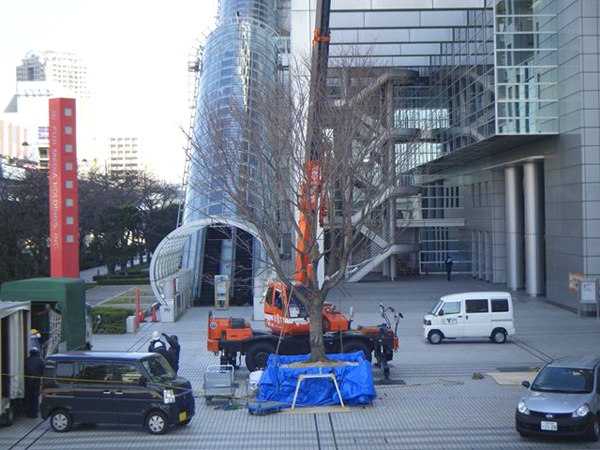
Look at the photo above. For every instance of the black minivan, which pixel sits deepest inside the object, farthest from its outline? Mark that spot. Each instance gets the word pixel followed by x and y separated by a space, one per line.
pixel 107 387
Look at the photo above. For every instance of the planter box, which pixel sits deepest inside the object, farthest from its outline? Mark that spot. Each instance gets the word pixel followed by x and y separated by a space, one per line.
pixel 355 380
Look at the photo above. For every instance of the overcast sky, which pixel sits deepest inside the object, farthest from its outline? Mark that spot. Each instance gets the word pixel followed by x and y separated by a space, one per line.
pixel 136 52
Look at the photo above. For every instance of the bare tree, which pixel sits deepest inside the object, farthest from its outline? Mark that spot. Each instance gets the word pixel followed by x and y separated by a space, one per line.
pixel 258 161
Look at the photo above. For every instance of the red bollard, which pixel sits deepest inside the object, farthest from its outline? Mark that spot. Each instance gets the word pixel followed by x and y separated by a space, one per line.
pixel 142 318
pixel 154 315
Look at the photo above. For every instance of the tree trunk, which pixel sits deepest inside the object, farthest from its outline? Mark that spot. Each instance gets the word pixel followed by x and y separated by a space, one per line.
pixel 317 348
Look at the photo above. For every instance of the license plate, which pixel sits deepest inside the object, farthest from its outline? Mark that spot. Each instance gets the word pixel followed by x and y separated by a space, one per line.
pixel 183 415
pixel 549 426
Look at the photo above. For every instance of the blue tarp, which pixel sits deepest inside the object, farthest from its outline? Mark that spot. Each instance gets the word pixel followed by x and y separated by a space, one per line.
pixel 278 383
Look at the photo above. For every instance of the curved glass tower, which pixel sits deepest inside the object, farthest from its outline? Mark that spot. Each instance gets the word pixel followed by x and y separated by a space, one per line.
pixel 239 60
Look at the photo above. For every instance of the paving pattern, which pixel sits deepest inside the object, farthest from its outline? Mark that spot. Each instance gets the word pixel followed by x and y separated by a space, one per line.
pixel 438 405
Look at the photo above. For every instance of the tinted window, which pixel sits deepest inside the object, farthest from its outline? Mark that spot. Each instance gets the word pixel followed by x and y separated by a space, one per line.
pixel 561 379
pixel 451 308
pixel 64 371
pixel 476 306
pixel 94 371
pixel 126 373
pixel 500 305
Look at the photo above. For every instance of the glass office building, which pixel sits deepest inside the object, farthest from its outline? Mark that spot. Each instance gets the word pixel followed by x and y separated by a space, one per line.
pixel 504 111
pixel 238 60
pixel 497 125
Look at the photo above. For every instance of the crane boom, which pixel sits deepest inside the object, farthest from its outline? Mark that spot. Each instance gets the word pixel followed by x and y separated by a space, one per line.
pixel 311 189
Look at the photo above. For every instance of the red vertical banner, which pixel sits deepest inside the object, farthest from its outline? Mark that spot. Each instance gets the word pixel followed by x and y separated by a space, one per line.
pixel 64 197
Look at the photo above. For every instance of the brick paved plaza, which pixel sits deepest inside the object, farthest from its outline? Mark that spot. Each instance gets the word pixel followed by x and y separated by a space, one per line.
pixel 433 403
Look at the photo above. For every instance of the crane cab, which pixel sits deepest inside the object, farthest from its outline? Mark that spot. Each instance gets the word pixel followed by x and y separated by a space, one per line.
pixel 286 314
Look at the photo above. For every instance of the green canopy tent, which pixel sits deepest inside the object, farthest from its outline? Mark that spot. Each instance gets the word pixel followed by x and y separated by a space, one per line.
pixel 64 295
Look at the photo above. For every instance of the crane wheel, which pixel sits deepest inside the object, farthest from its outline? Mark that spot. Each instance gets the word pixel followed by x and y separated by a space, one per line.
pixel 257 355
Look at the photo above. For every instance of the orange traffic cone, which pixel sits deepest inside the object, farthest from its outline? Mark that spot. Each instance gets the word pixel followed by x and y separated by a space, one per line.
pixel 154 315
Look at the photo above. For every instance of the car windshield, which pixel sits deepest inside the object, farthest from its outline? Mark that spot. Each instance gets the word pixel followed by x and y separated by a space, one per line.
pixel 564 380
pixel 436 308
pixel 158 368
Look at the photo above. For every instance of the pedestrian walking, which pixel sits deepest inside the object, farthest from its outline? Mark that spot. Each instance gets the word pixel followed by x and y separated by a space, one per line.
pixel 34 370
pixel 448 266
pixel 154 340
pixel 174 349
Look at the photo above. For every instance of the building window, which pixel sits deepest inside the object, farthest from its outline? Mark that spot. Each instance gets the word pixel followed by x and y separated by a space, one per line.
pixel 68 130
pixel 69 202
pixel 68 112
pixel 69 148
pixel 70 220
pixel 69 166
pixel 69 184
pixel 70 238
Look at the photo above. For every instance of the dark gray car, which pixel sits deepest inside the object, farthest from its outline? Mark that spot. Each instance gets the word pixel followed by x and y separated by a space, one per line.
pixel 563 400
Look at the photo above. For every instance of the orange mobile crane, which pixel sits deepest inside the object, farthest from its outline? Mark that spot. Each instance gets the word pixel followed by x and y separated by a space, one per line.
pixel 285 315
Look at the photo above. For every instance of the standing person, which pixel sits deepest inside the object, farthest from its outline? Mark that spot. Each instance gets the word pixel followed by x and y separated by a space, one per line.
pixel 34 370
pixel 161 349
pixel 154 340
pixel 174 349
pixel 448 266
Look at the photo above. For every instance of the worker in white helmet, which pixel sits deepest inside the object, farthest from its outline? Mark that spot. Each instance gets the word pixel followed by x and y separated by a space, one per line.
pixel 155 339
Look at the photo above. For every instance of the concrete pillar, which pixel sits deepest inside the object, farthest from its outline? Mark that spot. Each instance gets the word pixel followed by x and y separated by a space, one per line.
pixel 481 255
pixel 489 256
pixel 474 251
pixel 534 229
pixel 393 267
pixel 392 225
pixel 513 191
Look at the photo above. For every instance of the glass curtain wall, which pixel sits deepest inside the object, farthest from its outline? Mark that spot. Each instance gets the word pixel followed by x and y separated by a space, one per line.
pixel 526 61
pixel 239 62
pixel 464 76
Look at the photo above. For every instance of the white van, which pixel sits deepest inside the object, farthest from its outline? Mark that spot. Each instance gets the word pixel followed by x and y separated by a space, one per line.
pixel 471 314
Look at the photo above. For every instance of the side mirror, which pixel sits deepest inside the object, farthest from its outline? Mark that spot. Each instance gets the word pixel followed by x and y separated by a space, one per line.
pixel 526 384
pixel 142 381
pixel 441 312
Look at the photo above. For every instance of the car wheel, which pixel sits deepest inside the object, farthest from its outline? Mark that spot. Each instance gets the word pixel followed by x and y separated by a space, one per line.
pixel 61 421
pixel 157 423
pixel 594 433
pixel 358 346
pixel 435 337
pixel 524 435
pixel 257 356
pixel 499 336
